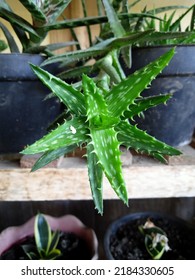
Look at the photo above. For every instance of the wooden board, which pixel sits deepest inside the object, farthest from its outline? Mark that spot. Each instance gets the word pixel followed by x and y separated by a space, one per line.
pixel 145 178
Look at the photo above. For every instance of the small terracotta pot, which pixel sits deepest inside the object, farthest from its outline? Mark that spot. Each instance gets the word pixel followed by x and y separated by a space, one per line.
pixel 67 223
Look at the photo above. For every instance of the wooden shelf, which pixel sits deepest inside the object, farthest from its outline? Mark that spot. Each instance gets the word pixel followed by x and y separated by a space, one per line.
pixel 145 178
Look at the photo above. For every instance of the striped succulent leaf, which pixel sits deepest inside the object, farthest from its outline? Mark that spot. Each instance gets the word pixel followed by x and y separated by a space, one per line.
pixel 95 174
pixel 46 241
pixel 143 104
pixel 35 9
pixel 10 40
pixel 69 133
pixel 18 21
pixel 52 155
pixel 103 137
pixel 106 147
pixel 117 26
pixel 125 93
pixel 46 11
pixel 99 49
pixel 132 137
pixel 97 111
pixel 53 9
pixel 113 19
pixel 71 97
pixel 76 72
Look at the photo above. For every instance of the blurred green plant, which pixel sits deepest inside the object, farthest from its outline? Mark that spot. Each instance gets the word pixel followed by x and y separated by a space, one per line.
pixel 46 241
pixel 156 241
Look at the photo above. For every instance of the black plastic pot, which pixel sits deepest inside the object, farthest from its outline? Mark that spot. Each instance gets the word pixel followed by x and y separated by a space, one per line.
pixel 24 115
pixel 123 240
pixel 173 123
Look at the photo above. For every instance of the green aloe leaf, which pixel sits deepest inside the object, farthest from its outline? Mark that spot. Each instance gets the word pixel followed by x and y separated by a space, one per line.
pixel 44 12
pixel 70 133
pixel 95 174
pixel 84 7
pixel 144 104
pixel 34 8
pixel 113 20
pixel 10 39
pixel 88 21
pixel 48 49
pixel 97 111
pixel 52 155
pixel 124 94
pixel 177 23
pixel 76 72
pixel 18 21
pixel 192 22
pixel 71 97
pixel 132 137
pixel 106 147
pixel 55 9
pixel 104 138
pixel 117 27
pixel 99 49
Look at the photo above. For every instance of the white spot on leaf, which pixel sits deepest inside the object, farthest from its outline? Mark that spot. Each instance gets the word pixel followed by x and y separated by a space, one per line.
pixel 73 129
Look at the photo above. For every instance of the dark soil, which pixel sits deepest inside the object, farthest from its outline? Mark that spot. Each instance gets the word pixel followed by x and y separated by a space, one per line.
pixel 128 242
pixel 71 247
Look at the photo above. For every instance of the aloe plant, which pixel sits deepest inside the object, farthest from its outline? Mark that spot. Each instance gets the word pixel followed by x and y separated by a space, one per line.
pixel 46 241
pixel 99 110
pixel 99 115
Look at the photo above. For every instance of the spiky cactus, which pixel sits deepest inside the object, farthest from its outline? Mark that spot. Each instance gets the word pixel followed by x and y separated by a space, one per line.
pixel 99 119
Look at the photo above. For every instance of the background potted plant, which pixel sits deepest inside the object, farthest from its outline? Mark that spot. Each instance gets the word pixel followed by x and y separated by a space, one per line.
pixel 47 237
pixel 149 235
pixel 177 118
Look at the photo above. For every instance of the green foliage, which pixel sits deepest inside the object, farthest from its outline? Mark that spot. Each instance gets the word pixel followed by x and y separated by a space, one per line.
pixel 142 22
pixel 171 24
pixel 30 34
pixel 99 119
pixel 115 19
pixel 3 45
pixel 46 241
pixel 46 15
pixel 156 240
